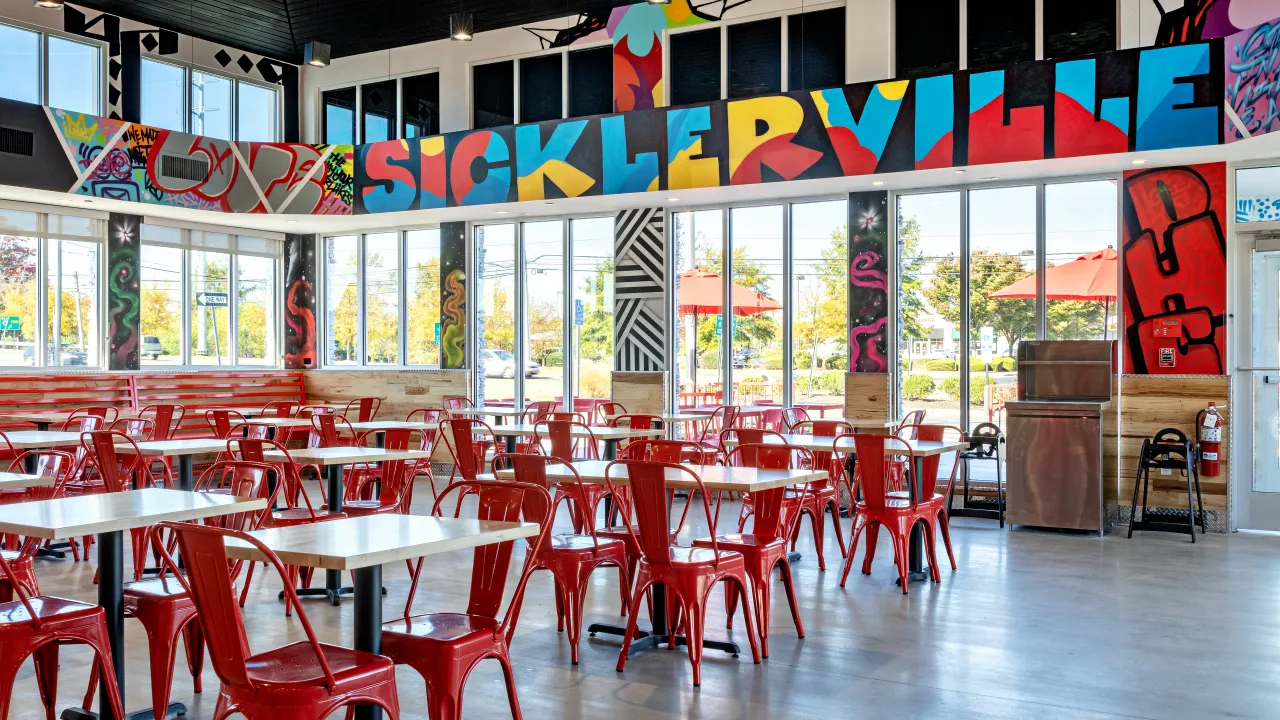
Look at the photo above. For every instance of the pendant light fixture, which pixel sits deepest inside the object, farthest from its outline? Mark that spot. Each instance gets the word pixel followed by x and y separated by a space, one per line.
pixel 461 26
pixel 49 4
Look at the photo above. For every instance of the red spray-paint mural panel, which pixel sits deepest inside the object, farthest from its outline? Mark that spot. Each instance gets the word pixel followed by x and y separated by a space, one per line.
pixel 1175 270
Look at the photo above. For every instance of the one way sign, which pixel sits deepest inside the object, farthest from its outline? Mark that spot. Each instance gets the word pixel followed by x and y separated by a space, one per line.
pixel 212 299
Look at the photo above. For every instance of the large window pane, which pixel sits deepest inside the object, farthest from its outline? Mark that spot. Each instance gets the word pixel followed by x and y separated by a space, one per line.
pixel 382 298
pixel 544 293
pixel 493 94
pixel 1001 32
pixel 210 315
pixel 339 116
pixel 420 105
pixel 929 43
pixel 255 311
pixel 163 103
pixel 929 300
pixel 815 46
pixel 699 238
pixel 757 298
pixel 697 55
pixel 1080 227
pixel 20 58
pixel 755 58
pixel 378 111
pixel 161 305
pixel 75 75
pixel 819 307
pixel 72 303
pixel 1079 27
pixel 17 292
pixel 541 88
pixel 422 292
pixel 1002 251
pixel 341 300
pixel 211 105
pixel 591 81
pixel 591 354
pixel 1257 194
pixel 496 321
pixel 256 113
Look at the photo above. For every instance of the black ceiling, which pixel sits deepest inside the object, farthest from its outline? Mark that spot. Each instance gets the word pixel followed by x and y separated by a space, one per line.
pixel 280 28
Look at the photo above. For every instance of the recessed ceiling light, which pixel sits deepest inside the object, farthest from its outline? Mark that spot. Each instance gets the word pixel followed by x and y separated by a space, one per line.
pixel 548 203
pixel 877 183
pixel 1138 161
pixel 989 179
pixel 461 26
pixel 959 172
pixel 673 199
pixel 501 212
pixel 51 4
pixel 292 222
pixel 659 2
pixel 88 201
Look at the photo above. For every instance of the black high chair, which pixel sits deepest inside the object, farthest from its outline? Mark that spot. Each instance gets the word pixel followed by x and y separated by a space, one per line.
pixel 1169 449
pixel 986 442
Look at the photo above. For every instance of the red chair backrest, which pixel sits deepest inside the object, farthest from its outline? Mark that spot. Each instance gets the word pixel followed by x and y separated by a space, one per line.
pixel 931 463
pixel 134 427
pixel 366 408
pixel 637 421
pixel 905 429
pixel 563 444
pixel 280 409
pixel 770 519
pixel 457 402
pixel 668 451
pixel 100 446
pixel 459 438
pixel 54 464
pixel 165 418
pixel 501 501
pixel 793 415
pixel 83 423
pixel 328 429
pixel 607 410
pixel 532 469
pixel 536 411
pixel 720 419
pixel 221 421
pixel 647 483
pixel 874 468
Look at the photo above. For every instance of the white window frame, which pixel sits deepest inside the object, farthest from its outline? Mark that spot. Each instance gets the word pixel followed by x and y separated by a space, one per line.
pixel 234 109
pixel 359 110
pixel 43 61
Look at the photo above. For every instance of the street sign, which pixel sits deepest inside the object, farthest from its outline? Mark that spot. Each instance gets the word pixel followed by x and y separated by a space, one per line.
pixel 437 333
pixel 212 299
pixel 10 323
pixel 719 325
pixel 579 313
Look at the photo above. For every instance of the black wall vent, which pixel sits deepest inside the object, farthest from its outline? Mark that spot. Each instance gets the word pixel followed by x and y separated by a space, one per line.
pixel 15 141
pixel 184 168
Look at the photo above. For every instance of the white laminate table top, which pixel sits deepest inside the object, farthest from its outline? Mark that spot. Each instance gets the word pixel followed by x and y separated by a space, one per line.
pixel 496 411
pixel 714 477
pixel 70 517
pixel 28 439
pixel 920 448
pixel 380 425
pixel 357 542
pixel 19 481
pixel 346 455
pixel 600 433
pixel 281 423
pixel 174 448
pixel 52 416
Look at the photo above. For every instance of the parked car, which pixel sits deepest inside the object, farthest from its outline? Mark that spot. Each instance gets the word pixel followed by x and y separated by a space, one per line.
pixel 501 363
pixel 151 347
pixel 70 356
pixel 744 357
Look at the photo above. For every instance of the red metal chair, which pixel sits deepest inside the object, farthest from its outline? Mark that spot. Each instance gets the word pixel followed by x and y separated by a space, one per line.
pixel 878 508
pixel 936 433
pixel 793 415
pixel 570 558
pixel 606 412
pixel 280 409
pixel 165 420
pixel 721 419
pixel 393 477
pixel 120 472
pixel 164 607
pixel 568 448
pixel 687 573
pixel 107 414
pixel 824 495
pixel 7 450
pixel 468 441
pixel 37 626
pixel 305 680
pixel 910 421
pixel 765 547
pixel 221 421
pixel 365 408
pixel 445 647
pixel 430 437
pixel 457 402
pixel 638 422
pixel 52 464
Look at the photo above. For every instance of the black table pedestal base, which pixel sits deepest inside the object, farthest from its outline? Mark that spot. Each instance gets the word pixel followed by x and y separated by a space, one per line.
pixel 174 710
pixel 334 596
pixel 646 640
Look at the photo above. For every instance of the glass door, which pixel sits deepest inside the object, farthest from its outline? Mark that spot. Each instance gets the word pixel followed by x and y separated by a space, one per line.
pixel 1260 509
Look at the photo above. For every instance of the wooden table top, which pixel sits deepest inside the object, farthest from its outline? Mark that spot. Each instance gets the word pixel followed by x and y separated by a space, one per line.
pixel 71 517
pixel 714 477
pixel 496 411
pixel 600 433
pixel 346 455
pixel 922 448
pixel 19 481
pixel 380 425
pixel 28 439
pixel 174 448
pixel 357 542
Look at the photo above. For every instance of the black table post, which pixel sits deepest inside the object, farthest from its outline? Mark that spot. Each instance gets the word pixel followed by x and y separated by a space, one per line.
pixel 42 426
pixel 368 618
pixel 111 598
pixel 185 481
pixel 29 465
pixel 333 578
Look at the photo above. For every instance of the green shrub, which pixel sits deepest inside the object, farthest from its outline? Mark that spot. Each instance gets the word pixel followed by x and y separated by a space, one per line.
pixel 976 365
pixel 831 381
pixel 840 362
pixel 917 387
pixel 555 358
pixel 710 360
pixel 1005 364
pixel 976 395
pixel 941 365
pixel 950 387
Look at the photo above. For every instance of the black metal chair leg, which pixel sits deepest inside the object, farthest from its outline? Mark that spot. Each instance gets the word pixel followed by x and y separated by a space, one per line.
pixel 1137 482
pixel 999 487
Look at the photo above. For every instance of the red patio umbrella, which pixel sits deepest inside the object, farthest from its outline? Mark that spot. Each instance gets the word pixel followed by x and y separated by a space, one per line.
pixel 1090 277
pixel 702 293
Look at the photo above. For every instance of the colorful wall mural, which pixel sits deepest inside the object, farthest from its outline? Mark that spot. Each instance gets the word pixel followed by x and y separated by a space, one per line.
pixel 1252 81
pixel 453 295
pixel 1197 20
pixel 869 282
pixel 124 289
pixel 300 302
pixel 1175 270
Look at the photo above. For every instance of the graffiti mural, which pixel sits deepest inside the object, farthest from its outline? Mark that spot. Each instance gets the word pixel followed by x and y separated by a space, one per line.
pixel 299 302
pixel 868 282
pixel 1175 270
pixel 1252 81
pixel 124 288
pixel 1198 20
pixel 453 295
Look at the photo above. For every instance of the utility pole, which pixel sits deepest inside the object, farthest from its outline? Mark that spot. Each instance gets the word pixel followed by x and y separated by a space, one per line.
pixel 79 317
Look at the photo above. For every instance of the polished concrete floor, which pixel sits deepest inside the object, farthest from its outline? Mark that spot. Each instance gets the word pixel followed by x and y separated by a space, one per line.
pixel 1032 625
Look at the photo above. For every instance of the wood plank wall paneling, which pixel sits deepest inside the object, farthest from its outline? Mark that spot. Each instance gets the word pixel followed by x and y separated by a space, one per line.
pixel 1149 403
pixel 867 395
pixel 641 392
pixel 401 391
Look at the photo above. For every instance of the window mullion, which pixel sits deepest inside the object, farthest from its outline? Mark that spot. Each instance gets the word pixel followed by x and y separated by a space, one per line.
pixel 788 308
pixel 233 310
pixel 362 317
pixel 403 311
pixel 184 285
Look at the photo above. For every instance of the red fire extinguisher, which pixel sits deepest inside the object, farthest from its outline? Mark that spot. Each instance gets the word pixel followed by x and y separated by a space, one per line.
pixel 1210 429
